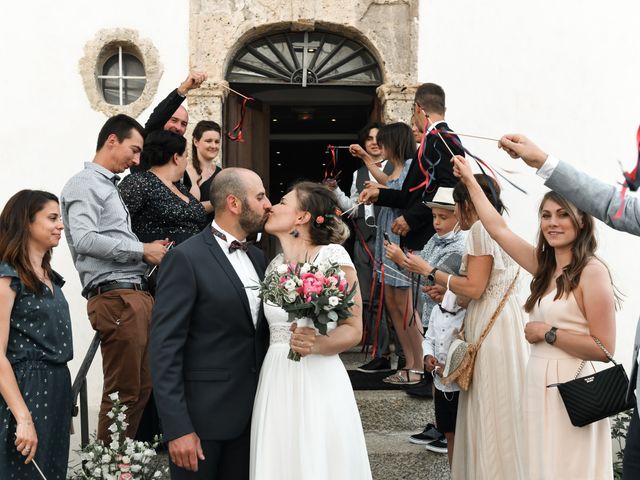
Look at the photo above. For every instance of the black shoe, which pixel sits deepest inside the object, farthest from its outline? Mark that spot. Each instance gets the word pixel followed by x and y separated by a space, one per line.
pixel 437 446
pixel 379 364
pixel 428 435
pixel 423 389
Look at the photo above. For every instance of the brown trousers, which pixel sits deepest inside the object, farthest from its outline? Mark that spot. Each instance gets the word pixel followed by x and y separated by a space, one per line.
pixel 122 318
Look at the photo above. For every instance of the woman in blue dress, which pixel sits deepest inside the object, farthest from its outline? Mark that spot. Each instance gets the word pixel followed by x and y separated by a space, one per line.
pixel 398 147
pixel 35 342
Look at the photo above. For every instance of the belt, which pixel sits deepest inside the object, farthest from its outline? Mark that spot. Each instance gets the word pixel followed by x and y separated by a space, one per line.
pixel 108 286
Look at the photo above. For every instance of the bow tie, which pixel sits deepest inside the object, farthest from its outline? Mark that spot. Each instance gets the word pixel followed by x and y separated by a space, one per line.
pixel 234 245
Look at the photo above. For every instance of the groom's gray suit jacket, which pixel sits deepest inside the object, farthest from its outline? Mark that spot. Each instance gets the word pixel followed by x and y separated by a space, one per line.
pixel 602 201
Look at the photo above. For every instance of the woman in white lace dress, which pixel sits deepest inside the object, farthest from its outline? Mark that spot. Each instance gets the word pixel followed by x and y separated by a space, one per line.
pixel 306 424
pixel 489 423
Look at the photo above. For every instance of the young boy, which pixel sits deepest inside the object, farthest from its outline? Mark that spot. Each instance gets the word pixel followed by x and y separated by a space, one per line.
pixel 440 315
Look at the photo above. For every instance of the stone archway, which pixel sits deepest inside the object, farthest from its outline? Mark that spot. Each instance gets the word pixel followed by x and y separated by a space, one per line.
pixel 389 30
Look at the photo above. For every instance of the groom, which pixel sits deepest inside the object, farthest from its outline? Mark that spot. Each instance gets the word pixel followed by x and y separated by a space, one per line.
pixel 209 335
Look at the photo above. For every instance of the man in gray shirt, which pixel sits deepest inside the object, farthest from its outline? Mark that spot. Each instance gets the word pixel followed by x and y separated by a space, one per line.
pixel 111 262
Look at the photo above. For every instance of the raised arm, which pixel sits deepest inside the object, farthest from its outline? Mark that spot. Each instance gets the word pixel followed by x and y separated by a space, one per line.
pixel 588 193
pixel 373 167
pixel 517 247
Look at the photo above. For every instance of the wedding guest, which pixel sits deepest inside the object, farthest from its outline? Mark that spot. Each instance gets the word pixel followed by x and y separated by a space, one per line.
pixel 35 341
pixel 203 168
pixel 571 302
pixel 414 224
pixel 489 418
pixel 111 262
pixel 170 115
pixel 363 217
pixel 159 204
pixel 398 147
pixel 445 250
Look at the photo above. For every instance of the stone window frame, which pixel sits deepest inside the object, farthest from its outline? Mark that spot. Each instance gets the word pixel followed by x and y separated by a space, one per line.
pixel 103 46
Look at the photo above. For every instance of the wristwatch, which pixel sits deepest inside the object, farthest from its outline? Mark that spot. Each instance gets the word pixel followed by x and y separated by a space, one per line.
pixel 550 336
pixel 431 278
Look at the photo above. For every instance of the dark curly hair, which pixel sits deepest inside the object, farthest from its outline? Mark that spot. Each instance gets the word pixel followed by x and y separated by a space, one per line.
pixel 321 203
pixel 490 188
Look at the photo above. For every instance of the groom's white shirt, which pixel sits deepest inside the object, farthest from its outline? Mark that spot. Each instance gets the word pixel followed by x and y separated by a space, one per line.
pixel 244 268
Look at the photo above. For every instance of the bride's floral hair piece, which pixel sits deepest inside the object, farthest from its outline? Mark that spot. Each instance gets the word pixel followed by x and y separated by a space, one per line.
pixel 320 219
pixel 326 225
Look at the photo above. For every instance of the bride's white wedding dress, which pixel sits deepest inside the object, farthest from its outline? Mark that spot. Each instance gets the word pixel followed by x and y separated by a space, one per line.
pixel 305 424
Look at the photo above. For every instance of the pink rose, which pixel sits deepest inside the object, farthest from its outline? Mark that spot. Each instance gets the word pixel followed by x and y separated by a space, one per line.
pixel 342 285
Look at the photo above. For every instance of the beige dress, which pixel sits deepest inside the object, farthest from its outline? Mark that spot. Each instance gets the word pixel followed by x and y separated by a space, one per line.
pixel 554 448
pixel 488 437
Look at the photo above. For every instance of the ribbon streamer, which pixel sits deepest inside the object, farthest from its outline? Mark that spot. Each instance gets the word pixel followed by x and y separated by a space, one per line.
pixel 236 135
pixel 331 167
pixel 631 181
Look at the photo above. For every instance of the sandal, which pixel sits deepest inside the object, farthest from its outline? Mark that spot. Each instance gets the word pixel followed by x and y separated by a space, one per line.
pixel 399 379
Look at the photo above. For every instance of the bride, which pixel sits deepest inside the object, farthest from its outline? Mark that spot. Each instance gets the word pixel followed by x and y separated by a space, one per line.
pixel 305 422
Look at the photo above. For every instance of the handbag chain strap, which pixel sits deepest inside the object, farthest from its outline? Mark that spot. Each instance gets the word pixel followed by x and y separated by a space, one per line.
pixel 499 309
pixel 603 348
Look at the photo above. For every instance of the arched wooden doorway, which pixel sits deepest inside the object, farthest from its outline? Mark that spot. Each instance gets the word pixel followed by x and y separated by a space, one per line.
pixel 311 89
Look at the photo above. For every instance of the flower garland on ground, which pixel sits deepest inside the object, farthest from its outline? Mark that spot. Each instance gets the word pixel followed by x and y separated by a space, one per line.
pixel 121 459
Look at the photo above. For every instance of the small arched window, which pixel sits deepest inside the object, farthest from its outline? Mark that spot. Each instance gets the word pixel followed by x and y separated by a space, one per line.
pixel 123 78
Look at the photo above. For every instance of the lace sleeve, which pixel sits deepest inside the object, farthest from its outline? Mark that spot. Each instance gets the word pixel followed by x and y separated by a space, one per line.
pixel 277 260
pixel 480 243
pixel 335 253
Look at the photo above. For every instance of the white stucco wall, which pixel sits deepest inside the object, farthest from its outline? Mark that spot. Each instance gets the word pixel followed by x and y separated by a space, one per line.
pixel 565 73
pixel 48 129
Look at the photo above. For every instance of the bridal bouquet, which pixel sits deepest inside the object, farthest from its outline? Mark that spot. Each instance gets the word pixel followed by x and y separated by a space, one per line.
pixel 123 458
pixel 306 290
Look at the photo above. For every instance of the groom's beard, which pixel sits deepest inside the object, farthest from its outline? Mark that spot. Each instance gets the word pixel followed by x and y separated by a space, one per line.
pixel 252 222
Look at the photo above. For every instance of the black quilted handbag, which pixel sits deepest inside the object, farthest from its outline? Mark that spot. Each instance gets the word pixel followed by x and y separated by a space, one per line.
pixel 597 396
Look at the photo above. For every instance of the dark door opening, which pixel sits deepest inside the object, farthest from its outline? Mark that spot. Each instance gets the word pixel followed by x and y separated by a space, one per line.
pixel 287 130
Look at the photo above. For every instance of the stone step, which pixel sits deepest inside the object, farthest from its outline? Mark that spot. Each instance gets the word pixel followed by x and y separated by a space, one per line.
pixel 391 410
pixel 392 457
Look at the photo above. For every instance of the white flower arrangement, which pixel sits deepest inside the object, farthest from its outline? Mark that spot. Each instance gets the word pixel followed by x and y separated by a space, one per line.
pixel 123 458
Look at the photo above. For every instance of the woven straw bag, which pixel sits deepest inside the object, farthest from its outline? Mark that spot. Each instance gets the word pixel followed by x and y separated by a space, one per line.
pixel 461 356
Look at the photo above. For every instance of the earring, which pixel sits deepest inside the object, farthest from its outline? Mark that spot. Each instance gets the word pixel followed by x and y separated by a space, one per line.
pixel 294 233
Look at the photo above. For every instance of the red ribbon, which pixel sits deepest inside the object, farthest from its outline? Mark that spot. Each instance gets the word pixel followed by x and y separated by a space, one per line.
pixel 424 171
pixel 236 135
pixel 331 167
pixel 630 181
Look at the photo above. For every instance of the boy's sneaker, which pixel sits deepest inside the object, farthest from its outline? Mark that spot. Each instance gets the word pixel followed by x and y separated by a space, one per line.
pixel 428 435
pixel 437 446
pixel 380 364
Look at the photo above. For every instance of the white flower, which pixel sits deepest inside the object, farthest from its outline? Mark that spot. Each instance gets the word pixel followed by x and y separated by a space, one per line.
pixel 122 417
pixel 289 285
pixel 282 269
pixel 136 468
pixel 124 408
pixel 114 396
pixel 158 474
pixel 125 459
pixel 334 301
pixel 136 457
pixel 115 445
pixel 291 296
pixel 105 458
pixel 149 452
pixel 97 472
pixel 110 414
pixel 305 268
pixel 113 427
